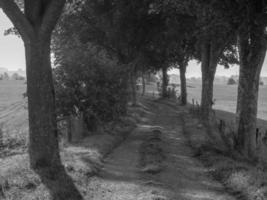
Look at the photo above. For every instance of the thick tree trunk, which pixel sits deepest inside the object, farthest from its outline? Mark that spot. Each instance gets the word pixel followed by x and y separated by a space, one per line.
pixel 143 84
pixel 164 82
pixel 1 136
pixel 43 146
pixel 35 26
pixel 149 77
pixel 133 88
pixel 183 84
pixel 208 68
pixel 252 54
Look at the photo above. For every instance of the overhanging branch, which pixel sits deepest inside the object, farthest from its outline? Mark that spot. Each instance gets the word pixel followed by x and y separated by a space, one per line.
pixel 51 16
pixel 19 20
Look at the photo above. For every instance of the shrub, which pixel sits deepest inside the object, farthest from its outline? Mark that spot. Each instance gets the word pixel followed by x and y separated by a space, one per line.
pixel 97 89
pixel 231 81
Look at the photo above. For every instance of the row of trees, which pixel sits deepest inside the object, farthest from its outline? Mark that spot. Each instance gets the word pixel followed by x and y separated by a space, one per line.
pixel 238 25
pixel 14 76
pixel 226 33
pixel 140 35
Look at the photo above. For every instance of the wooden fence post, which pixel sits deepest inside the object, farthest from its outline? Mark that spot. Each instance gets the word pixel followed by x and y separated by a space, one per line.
pixel 1 136
pixel 193 108
pixel 69 136
pixel 197 109
pixel 222 126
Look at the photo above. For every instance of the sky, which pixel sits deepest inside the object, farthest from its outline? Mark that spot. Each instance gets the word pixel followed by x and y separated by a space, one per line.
pixel 12 56
pixel 194 70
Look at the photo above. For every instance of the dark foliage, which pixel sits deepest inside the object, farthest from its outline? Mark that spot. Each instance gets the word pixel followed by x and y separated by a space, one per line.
pixel 85 84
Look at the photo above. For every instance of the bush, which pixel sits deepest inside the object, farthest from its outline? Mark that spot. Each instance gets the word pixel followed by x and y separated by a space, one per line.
pixel 231 81
pixel 97 89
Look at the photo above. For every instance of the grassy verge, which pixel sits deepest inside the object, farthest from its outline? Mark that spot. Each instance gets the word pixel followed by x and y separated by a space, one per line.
pixel 230 118
pixel 81 160
pixel 244 179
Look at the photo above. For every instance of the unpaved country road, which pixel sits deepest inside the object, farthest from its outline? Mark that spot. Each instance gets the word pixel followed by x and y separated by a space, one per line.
pixel 183 177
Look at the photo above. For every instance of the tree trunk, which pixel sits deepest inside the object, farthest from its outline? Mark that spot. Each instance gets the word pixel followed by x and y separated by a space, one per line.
pixel 143 84
pixel 208 69
pixel 252 52
pixel 183 95
pixel 164 82
pixel 1 136
pixel 149 77
pixel 35 26
pixel 133 87
pixel 43 146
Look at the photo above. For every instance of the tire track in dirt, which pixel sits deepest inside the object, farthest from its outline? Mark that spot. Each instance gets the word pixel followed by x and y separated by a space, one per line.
pixel 182 177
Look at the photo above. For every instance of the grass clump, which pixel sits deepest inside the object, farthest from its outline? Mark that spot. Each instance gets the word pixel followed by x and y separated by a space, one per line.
pixel 242 178
pixel 81 160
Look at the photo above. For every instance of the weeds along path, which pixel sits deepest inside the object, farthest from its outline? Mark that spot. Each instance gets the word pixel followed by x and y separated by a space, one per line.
pixel 155 163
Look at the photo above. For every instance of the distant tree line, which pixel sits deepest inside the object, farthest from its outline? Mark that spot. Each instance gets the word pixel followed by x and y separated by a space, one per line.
pixel 14 76
pixel 231 81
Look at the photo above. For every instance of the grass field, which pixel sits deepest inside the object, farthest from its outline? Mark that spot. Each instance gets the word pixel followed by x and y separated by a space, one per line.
pixel 225 103
pixel 13 110
pixel 226 95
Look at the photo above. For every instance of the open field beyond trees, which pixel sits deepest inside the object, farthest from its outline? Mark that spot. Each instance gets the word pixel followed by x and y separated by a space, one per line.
pixel 13 110
pixel 14 116
pixel 225 101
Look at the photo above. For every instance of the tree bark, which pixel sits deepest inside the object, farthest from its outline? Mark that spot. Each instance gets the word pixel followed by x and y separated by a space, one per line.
pixel 43 146
pixel 133 87
pixel 183 84
pixel 164 82
pixel 208 68
pixel 252 50
pixel 35 26
pixel 1 136
pixel 143 83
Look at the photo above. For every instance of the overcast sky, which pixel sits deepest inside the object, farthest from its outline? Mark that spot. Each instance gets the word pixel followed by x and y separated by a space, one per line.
pixel 11 47
pixel 12 54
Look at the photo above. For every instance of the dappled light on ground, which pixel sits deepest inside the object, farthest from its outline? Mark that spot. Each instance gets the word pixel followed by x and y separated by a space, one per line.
pixel 182 176
pixel 155 162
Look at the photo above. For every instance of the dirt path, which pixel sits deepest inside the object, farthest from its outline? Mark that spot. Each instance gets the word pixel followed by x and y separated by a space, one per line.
pixel 183 177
